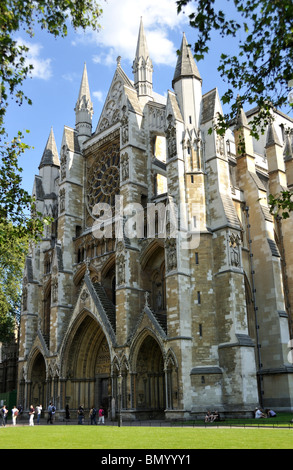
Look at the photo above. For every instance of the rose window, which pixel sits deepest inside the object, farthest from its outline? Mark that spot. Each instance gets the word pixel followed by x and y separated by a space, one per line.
pixel 103 180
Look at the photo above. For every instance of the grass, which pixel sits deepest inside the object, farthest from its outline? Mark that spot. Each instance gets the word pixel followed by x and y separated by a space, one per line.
pixel 132 437
pixel 282 420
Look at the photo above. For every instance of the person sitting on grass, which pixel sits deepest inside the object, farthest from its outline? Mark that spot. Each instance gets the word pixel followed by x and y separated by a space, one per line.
pixel 271 413
pixel 259 413
pixel 208 417
pixel 215 416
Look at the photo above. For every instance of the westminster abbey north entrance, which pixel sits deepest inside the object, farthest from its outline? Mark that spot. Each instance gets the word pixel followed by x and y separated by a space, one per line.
pixel 88 366
pixel 150 379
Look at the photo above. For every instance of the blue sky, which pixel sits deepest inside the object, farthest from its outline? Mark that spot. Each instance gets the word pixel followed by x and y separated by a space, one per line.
pixel 58 66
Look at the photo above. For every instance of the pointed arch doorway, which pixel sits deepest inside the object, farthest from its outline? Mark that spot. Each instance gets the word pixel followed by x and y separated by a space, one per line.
pixel 88 370
pixel 150 397
pixel 38 382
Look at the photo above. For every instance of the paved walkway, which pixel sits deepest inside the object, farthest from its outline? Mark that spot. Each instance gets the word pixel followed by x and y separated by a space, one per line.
pixel 43 422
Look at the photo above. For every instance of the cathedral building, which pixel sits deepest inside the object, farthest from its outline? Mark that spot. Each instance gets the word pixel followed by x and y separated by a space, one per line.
pixel 163 286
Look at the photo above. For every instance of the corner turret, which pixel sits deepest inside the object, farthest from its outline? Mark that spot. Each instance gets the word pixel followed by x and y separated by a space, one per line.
pixel 143 68
pixel 187 84
pixel 84 109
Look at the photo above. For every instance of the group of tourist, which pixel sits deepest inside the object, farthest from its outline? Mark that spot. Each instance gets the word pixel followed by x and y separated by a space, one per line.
pixel 15 412
pixel 37 411
pixel 259 413
pixel 211 417
pixel 214 416
pixel 92 415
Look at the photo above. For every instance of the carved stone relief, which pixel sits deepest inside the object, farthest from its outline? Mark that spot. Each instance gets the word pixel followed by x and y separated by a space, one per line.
pixel 111 112
pixel 234 250
pixel 125 166
pixel 62 200
pixel 124 127
pixel 171 254
pixel 171 138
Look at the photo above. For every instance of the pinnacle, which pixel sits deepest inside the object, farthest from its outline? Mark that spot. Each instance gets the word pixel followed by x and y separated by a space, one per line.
pixel 50 155
pixel 84 91
pixel 142 48
pixel 186 66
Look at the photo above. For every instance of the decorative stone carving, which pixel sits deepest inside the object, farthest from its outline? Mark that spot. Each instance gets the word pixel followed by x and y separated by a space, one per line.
pixel 120 269
pixel 55 289
pixel 220 145
pixel 171 138
pixel 124 126
pixel 62 200
pixel 84 295
pixel 63 160
pixel 112 109
pixel 234 248
pixel 198 145
pixel 125 166
pixel 146 298
pixel 120 263
pixel 171 254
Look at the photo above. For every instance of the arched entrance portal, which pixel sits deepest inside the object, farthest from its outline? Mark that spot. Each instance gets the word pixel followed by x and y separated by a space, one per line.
pixel 38 381
pixel 88 368
pixel 150 379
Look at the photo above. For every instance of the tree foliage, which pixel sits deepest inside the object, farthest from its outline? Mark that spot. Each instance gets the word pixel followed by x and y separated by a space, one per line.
pixel 16 205
pixel 12 258
pixel 19 220
pixel 51 15
pixel 260 71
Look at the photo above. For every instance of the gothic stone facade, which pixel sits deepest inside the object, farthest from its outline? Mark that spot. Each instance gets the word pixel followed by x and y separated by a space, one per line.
pixel 155 325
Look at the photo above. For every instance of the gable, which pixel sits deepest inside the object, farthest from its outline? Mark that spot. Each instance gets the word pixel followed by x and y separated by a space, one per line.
pixel 121 90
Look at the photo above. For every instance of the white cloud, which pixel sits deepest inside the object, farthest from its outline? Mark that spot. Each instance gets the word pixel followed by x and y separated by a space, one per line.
pixel 120 25
pixel 71 76
pixel 98 95
pixel 41 67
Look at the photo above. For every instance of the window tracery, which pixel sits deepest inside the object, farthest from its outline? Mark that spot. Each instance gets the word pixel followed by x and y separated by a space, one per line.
pixel 103 181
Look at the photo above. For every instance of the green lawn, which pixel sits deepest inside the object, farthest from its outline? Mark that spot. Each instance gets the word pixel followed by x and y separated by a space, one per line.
pixel 133 437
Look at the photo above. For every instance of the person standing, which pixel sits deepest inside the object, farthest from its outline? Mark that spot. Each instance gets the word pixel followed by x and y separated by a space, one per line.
pixel 101 416
pixel 31 415
pixel 50 414
pixel 4 413
pixel 80 413
pixel 14 412
pixel 67 412
pixel 39 412
pixel 93 414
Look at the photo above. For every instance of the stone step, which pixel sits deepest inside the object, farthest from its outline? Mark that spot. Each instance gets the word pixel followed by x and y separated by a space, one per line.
pixel 108 306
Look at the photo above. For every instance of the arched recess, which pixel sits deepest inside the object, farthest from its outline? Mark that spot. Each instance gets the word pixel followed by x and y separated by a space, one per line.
pixel 121 384
pixel 251 319
pixel 153 279
pixel 108 278
pixel 172 385
pixel 149 394
pixel 86 365
pixel 47 313
pixel 37 380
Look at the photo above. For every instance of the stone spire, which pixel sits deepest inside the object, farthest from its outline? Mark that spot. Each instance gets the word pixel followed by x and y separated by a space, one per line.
pixel 84 108
pixel 272 137
pixel 243 137
pixel 186 66
pixel 187 84
pixel 50 155
pixel 241 118
pixel 143 67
